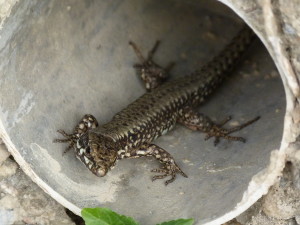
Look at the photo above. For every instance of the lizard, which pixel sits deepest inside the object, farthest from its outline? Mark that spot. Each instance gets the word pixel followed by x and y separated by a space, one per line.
pixel 130 132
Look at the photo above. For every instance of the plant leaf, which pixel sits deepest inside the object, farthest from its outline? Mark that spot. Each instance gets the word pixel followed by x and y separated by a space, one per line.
pixel 179 222
pixel 104 216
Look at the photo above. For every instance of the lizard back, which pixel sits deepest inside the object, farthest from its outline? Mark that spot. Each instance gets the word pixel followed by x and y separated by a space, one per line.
pixel 156 112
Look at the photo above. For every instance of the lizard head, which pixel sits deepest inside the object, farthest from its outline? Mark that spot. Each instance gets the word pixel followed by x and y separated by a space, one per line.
pixel 93 148
pixel 96 152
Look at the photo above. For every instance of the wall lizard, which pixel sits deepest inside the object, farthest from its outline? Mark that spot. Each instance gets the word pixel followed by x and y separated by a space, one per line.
pixel 130 132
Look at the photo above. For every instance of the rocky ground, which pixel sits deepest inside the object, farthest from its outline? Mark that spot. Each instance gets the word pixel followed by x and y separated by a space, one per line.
pixel 23 202
pixel 281 206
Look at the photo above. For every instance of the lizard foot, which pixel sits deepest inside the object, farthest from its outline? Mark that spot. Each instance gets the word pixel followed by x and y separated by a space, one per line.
pixel 169 167
pixel 71 138
pixel 200 122
pixel 218 132
pixel 151 73
pixel 168 170
pixel 87 122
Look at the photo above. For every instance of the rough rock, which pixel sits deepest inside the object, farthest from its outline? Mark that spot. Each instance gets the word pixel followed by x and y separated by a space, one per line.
pixel 4 154
pixel 23 202
pixel 282 201
pixel 281 206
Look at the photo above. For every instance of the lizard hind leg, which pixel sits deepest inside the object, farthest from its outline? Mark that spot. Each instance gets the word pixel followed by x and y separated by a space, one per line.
pixel 198 121
pixel 151 73
pixel 86 123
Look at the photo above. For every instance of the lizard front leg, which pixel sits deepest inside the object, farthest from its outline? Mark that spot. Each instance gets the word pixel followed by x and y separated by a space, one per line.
pixel 151 73
pixel 198 121
pixel 169 168
pixel 86 123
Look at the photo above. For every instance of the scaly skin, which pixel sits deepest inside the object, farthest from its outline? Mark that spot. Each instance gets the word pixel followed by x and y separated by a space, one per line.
pixel 130 132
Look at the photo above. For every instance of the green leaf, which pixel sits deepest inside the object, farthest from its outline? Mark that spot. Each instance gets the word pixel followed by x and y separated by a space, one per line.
pixel 104 216
pixel 179 222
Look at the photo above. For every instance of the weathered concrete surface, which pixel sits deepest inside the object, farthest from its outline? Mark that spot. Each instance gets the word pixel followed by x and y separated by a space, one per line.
pixel 5 9
pixel 280 206
pixel 69 58
pixel 4 154
pixel 23 202
pixel 277 23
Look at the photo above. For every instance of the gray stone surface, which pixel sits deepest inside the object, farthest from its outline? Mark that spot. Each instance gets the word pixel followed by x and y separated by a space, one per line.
pixel 70 58
pixel 4 154
pixel 5 10
pixel 279 207
pixel 23 202
pixel 282 201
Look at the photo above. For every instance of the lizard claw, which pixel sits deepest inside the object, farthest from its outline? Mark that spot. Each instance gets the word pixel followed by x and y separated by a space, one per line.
pixel 69 138
pixel 168 170
pixel 218 132
pixel 87 122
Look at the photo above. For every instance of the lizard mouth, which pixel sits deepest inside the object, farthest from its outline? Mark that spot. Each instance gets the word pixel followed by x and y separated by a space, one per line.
pixel 89 162
pixel 83 152
pixel 100 172
pixel 92 150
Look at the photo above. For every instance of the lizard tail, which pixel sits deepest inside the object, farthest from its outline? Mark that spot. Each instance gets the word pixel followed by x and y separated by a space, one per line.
pixel 217 69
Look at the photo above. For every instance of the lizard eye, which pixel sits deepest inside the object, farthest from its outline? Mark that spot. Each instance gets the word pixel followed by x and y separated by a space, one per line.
pixel 83 140
pixel 88 150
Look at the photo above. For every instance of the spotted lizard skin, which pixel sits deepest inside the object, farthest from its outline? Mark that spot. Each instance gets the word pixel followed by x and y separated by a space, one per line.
pixel 130 132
